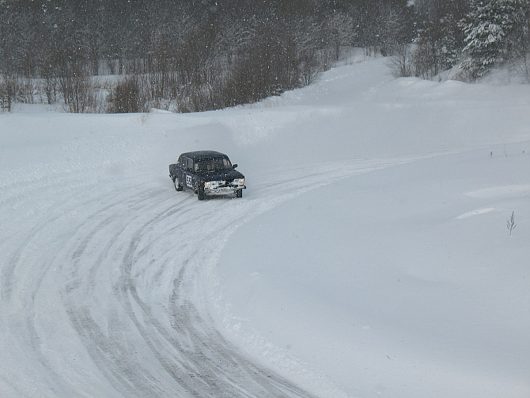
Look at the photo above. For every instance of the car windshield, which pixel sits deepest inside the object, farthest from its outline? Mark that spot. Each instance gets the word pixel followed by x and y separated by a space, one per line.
pixel 213 164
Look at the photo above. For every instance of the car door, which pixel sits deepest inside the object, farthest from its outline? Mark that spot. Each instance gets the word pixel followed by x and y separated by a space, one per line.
pixel 179 170
pixel 189 175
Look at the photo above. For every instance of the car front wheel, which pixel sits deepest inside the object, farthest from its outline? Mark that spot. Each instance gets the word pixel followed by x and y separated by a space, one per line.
pixel 200 193
pixel 178 186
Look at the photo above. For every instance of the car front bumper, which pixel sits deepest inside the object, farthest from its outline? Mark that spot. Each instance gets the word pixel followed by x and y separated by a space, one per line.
pixel 224 190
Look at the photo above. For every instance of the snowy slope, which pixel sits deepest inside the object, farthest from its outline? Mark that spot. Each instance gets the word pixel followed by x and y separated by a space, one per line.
pixel 401 282
pixel 369 256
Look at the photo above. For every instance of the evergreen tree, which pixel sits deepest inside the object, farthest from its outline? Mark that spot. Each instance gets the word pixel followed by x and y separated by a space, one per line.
pixel 496 32
pixel 440 39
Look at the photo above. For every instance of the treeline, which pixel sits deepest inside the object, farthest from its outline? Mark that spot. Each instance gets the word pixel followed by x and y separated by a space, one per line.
pixel 194 55
pixel 473 35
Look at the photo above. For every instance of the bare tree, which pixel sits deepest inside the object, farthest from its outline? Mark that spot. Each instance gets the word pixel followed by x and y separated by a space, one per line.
pixel 77 90
pixel 7 92
pixel 126 97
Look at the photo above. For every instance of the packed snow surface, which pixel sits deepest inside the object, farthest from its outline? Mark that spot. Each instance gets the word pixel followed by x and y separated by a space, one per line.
pixel 371 255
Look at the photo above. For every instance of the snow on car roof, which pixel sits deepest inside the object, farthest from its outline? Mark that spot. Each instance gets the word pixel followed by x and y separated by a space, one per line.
pixel 204 154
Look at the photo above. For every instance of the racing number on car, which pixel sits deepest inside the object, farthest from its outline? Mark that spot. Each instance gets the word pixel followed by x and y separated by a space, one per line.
pixel 188 181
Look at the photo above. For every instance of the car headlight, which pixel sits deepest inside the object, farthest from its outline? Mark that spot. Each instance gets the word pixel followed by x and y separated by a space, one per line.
pixel 239 181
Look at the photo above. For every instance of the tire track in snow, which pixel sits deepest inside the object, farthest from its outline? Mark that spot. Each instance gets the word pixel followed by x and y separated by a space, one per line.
pixel 187 376
pixel 129 283
pixel 210 357
pixel 59 188
pixel 110 355
pixel 56 384
pixel 40 265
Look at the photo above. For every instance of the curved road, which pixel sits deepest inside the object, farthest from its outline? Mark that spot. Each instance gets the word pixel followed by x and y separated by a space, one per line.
pixel 103 285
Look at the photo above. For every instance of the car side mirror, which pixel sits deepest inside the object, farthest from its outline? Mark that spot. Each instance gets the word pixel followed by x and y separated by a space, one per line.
pixel 234 166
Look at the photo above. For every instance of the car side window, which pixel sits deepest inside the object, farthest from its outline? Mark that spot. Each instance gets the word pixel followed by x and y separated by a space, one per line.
pixel 189 166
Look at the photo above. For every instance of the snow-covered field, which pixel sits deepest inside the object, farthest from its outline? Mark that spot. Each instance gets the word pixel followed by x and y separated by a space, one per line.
pixel 369 257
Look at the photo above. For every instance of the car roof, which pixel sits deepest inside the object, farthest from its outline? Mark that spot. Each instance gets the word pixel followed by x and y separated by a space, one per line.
pixel 204 155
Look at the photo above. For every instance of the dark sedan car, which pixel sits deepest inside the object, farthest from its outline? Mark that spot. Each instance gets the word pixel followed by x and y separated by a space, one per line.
pixel 207 173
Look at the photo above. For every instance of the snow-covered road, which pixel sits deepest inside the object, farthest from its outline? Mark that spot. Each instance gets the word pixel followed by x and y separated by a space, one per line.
pixel 94 310
pixel 103 286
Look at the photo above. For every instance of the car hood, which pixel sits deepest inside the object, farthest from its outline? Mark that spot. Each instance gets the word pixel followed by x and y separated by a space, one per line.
pixel 221 175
